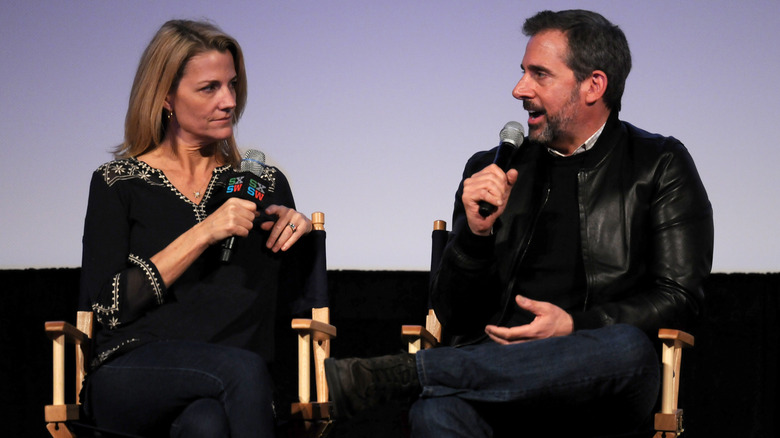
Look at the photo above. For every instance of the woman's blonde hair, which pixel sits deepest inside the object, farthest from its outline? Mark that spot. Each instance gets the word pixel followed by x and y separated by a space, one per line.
pixel 159 72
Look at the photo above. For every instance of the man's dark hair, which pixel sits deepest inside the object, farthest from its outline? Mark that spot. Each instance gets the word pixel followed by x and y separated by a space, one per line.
pixel 594 44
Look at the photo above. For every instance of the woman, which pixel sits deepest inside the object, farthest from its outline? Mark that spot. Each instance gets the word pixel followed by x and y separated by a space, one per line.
pixel 183 339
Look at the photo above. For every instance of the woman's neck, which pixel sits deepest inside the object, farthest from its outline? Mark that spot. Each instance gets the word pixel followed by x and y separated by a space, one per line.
pixel 187 160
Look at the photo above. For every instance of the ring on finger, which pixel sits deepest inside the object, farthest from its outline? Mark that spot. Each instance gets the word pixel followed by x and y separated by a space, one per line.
pixel 292 226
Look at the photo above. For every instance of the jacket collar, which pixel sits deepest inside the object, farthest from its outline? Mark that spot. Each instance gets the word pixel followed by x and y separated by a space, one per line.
pixel 610 137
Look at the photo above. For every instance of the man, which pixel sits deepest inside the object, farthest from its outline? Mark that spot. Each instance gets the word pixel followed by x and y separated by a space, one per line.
pixel 602 235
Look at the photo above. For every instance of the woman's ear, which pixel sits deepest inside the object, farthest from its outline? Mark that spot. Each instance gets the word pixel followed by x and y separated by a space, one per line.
pixel 168 102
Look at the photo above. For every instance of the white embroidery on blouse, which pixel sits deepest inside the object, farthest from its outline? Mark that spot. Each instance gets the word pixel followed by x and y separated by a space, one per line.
pixel 269 174
pixel 107 315
pixel 150 275
pixel 132 168
pixel 120 170
pixel 106 354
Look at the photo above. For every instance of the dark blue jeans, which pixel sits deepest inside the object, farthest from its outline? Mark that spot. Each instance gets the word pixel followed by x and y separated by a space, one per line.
pixel 183 388
pixel 602 381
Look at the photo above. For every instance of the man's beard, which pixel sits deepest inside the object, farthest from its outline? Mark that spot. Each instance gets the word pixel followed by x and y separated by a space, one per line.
pixel 555 124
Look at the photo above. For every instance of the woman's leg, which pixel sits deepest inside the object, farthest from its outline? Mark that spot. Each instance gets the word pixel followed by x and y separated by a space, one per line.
pixel 145 390
pixel 204 418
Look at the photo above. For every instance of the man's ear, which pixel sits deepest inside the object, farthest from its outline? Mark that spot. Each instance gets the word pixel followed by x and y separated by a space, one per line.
pixel 594 86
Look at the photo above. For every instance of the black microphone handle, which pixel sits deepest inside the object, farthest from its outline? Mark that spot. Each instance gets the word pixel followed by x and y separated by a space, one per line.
pixel 252 164
pixel 227 249
pixel 486 208
pixel 502 160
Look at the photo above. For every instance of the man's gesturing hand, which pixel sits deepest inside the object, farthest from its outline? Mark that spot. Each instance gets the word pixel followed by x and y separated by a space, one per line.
pixel 550 321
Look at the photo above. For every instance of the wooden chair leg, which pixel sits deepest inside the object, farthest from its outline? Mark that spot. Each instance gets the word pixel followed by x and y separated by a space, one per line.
pixel 59 430
pixel 669 422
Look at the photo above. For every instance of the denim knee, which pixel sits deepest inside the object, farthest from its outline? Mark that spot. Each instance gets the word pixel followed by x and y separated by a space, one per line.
pixel 248 393
pixel 248 374
pixel 204 418
pixel 446 416
pixel 637 349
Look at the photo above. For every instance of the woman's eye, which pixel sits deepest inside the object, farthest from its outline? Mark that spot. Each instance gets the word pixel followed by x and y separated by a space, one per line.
pixel 209 87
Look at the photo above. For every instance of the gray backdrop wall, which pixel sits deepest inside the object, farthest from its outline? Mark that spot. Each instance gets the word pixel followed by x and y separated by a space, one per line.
pixel 372 108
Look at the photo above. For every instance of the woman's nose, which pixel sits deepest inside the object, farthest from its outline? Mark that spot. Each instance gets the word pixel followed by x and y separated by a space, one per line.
pixel 228 100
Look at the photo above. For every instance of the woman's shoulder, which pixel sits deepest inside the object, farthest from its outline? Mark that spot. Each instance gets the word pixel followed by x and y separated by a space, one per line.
pixel 124 169
pixel 119 162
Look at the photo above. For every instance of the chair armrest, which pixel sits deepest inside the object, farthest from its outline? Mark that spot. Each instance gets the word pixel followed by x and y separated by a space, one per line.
pixel 418 337
pixel 320 331
pixel 73 335
pixel 685 339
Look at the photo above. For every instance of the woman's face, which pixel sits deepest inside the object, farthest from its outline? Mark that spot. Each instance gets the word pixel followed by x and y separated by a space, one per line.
pixel 204 101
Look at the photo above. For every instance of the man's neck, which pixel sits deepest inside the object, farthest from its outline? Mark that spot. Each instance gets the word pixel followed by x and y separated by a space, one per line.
pixel 584 146
pixel 584 137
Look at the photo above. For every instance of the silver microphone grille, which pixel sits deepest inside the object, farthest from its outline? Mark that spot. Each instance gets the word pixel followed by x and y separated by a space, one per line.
pixel 253 161
pixel 512 133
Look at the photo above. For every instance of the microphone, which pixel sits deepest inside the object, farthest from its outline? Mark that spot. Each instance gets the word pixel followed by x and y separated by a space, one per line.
pixel 511 137
pixel 243 185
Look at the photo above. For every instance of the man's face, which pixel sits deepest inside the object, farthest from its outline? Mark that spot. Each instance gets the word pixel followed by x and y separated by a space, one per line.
pixel 549 90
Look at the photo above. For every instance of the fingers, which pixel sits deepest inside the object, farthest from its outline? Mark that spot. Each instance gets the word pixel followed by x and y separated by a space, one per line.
pixel 233 218
pixel 510 335
pixel 528 304
pixel 549 321
pixel 499 335
pixel 491 185
pixel 287 229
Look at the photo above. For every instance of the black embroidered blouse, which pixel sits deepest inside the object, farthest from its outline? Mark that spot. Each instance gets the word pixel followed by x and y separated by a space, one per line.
pixel 133 213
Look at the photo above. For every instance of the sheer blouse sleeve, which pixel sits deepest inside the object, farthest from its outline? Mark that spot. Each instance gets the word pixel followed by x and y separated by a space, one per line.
pixel 118 286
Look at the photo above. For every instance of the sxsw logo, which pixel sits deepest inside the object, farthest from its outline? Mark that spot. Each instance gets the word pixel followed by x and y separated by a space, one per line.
pixel 253 188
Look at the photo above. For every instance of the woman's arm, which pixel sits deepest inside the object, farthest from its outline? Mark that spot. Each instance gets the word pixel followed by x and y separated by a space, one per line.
pixel 116 284
pixel 233 218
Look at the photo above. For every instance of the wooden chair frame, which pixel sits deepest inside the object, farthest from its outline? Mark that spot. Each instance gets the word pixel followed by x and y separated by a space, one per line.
pixel 313 335
pixel 669 422
pixel 59 413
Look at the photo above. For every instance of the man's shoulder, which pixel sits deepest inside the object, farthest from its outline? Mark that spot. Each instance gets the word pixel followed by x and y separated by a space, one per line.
pixel 485 156
pixel 656 150
pixel 643 138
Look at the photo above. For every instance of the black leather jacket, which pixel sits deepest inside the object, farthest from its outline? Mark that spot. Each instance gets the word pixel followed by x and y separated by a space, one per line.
pixel 646 236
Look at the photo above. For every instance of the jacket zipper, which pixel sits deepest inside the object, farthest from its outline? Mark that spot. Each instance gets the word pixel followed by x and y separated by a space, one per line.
pixel 521 255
